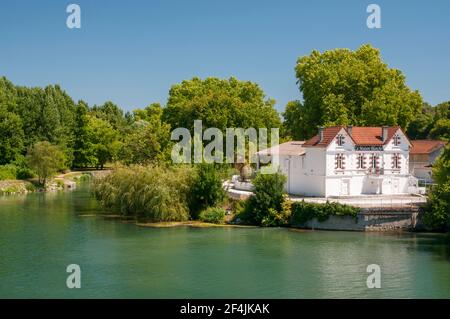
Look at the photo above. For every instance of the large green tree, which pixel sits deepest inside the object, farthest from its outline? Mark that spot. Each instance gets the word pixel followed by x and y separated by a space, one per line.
pixel 11 136
pixel 344 87
pixel 110 113
pixel 149 137
pixel 431 123
pixel 220 103
pixel 83 148
pixel 294 124
pixel 104 140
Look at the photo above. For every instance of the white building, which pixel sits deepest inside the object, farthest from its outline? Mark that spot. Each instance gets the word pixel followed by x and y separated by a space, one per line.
pixel 347 161
pixel 423 154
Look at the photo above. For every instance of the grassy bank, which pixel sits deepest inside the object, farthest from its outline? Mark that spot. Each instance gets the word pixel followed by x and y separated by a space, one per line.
pixel 12 187
pixel 25 186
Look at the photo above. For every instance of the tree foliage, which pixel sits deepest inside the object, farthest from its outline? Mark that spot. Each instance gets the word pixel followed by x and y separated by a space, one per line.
pixel 437 212
pixel 265 207
pixel 431 123
pixel 45 159
pixel 343 87
pixel 221 104
pixel 148 139
pixel 206 190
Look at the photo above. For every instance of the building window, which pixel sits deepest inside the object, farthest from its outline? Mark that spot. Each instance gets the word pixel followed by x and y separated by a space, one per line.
pixel 375 161
pixel 397 140
pixel 340 161
pixel 361 161
pixel 340 140
pixel 396 161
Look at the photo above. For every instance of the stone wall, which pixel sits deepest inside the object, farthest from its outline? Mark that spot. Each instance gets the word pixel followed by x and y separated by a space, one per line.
pixel 369 220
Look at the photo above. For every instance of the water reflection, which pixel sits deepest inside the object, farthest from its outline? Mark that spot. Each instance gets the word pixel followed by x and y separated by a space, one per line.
pixel 40 234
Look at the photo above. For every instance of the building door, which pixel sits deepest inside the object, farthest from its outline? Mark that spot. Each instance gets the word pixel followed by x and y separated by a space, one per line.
pixel 395 186
pixel 345 187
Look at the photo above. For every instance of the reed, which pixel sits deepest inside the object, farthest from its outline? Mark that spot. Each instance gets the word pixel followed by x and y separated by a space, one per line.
pixel 151 192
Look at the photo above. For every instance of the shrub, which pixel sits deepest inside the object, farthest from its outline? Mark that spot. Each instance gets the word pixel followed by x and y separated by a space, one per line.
pixel 150 192
pixel 214 215
pixel 8 171
pixel 264 207
pixel 23 171
pixel 303 211
pixel 278 218
pixel 206 189
pixel 437 210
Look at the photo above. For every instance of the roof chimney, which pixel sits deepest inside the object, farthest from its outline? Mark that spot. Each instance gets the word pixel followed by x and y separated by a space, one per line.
pixel 320 134
pixel 384 133
pixel 349 129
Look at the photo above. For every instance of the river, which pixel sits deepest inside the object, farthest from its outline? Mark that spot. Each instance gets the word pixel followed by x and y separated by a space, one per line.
pixel 41 234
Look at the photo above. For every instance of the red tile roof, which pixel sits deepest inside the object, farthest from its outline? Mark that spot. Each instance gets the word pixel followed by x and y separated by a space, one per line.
pixel 425 146
pixel 366 136
pixel 329 134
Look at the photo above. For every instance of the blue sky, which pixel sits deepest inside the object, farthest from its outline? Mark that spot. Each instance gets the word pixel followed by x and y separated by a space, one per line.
pixel 131 52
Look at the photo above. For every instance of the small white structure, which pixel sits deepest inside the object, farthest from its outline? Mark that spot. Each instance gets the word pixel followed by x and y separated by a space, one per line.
pixel 347 161
pixel 423 154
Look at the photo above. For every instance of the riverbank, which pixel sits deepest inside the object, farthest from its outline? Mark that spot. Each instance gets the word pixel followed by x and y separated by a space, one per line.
pixel 66 181
pixel 191 223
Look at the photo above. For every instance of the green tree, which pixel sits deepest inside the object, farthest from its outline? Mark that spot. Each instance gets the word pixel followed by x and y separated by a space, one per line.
pixel 110 113
pixel 206 190
pixel 420 127
pixel 104 140
pixel 294 124
pixel 45 159
pixel 441 129
pixel 11 136
pixel 341 87
pixel 83 150
pixel 437 212
pixel 148 139
pixel 221 104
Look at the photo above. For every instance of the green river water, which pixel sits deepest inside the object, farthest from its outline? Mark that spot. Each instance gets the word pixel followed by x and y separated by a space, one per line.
pixel 40 234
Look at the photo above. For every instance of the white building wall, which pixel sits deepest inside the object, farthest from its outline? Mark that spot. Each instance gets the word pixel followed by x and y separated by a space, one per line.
pixel 315 174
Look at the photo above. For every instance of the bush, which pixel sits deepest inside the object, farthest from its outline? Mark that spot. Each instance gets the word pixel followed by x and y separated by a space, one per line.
pixel 303 211
pixel 266 205
pixel 23 171
pixel 215 215
pixel 206 189
pixel 437 210
pixel 8 171
pixel 149 192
